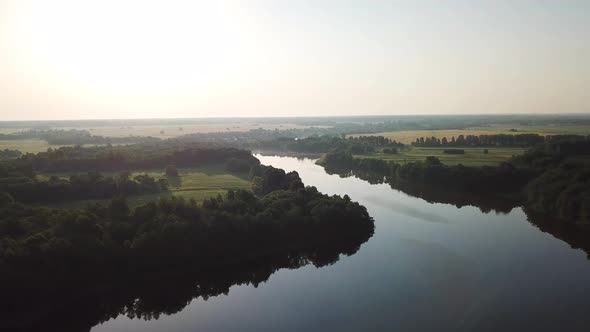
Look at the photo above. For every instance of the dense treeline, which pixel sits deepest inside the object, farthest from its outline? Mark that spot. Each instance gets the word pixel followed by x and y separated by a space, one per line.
pixel 92 185
pixel 563 192
pixel 497 140
pixel 74 137
pixel 51 255
pixel 322 144
pixel 9 154
pixel 553 178
pixel 431 171
pixel 18 177
pixel 266 179
pixel 293 140
pixel 130 157
pixel 563 188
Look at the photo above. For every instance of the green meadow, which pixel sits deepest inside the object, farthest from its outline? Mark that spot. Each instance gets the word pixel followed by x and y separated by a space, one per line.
pixel 26 145
pixel 410 136
pixel 196 183
pixel 472 156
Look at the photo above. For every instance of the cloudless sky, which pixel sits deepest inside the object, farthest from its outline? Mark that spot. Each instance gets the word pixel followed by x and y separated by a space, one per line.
pixel 76 59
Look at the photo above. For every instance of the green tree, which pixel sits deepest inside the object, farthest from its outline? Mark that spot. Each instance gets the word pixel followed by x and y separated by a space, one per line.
pixel 171 171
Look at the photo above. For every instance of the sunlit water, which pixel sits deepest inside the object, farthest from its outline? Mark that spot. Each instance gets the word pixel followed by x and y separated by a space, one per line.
pixel 428 267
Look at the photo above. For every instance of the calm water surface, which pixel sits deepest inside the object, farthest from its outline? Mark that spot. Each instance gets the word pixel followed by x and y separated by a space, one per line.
pixel 428 267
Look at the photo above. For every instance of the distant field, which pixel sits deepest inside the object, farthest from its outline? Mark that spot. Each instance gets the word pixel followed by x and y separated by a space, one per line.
pixel 409 136
pixel 30 145
pixel 160 131
pixel 541 130
pixel 7 131
pixel 198 183
pixel 168 131
pixel 25 146
pixel 472 156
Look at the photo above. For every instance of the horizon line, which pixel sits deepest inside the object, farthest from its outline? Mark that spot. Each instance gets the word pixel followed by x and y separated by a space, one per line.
pixel 301 117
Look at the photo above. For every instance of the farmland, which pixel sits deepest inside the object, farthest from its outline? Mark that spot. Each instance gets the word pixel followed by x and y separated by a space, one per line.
pixel 552 129
pixel 170 131
pixel 409 136
pixel 162 131
pixel 196 183
pixel 25 146
pixel 31 145
pixel 472 156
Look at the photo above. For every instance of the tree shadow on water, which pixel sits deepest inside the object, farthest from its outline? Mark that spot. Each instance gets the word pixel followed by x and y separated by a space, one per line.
pixel 166 285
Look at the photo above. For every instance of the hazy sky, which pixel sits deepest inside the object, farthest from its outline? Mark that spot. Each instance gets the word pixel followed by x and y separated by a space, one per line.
pixel 72 59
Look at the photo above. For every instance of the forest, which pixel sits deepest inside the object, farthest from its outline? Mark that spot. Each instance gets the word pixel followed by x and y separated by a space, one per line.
pixel 552 178
pixel 51 256
pixel 113 257
pixel 9 154
pixel 73 137
pixel 495 140
pixel 129 157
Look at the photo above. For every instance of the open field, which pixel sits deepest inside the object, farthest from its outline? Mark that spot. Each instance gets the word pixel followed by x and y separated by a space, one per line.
pixel 197 183
pixel 541 130
pixel 409 136
pixel 169 131
pixel 161 131
pixel 472 156
pixel 28 145
pixel 31 145
pixel 7 131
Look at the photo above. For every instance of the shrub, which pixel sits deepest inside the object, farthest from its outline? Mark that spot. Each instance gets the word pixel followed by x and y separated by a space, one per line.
pixel 171 171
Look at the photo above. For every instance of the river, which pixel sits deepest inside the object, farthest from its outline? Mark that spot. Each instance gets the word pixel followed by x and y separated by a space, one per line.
pixel 427 267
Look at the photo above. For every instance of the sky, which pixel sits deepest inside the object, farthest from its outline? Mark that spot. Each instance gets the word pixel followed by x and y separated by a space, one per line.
pixel 77 59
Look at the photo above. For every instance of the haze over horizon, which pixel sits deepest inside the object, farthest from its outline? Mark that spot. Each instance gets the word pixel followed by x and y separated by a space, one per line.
pixel 67 59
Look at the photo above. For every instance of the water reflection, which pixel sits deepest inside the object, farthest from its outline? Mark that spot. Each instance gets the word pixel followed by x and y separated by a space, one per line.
pixel 399 207
pixel 576 235
pixel 429 267
pixel 149 296
pixel 435 194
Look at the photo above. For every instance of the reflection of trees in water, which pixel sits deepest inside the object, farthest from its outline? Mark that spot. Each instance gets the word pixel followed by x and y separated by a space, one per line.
pixel 485 201
pixel 148 295
pixel 576 235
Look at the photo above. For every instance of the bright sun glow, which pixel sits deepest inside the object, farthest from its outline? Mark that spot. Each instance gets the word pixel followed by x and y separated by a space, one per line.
pixel 186 58
pixel 138 47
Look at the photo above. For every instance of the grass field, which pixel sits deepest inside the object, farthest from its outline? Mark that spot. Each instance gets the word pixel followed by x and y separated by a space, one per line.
pixel 472 156
pixel 160 131
pixel 25 146
pixel 541 130
pixel 174 131
pixel 32 145
pixel 197 183
pixel 10 130
pixel 167 131
pixel 409 136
